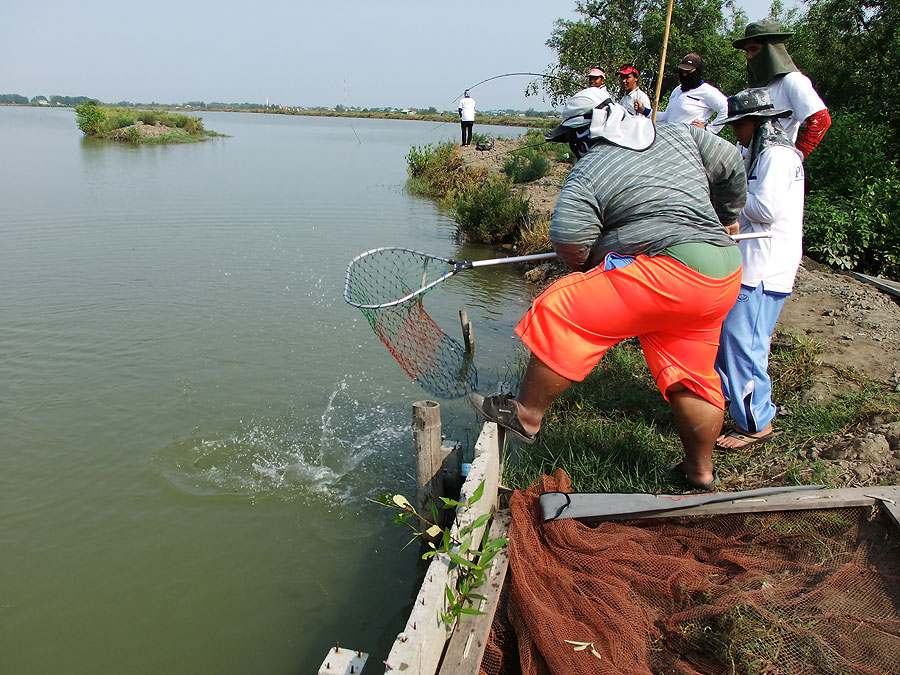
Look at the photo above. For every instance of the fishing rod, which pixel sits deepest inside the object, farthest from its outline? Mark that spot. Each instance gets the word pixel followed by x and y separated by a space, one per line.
pixel 542 75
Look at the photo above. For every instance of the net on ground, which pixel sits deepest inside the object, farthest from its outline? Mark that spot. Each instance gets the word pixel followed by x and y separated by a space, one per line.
pixel 778 593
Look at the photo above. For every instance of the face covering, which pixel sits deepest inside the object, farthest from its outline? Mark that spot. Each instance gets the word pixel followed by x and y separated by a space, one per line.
pixel 690 80
pixel 768 133
pixel 772 60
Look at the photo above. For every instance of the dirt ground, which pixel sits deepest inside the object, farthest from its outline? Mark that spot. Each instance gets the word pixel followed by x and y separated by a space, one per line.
pixel 857 326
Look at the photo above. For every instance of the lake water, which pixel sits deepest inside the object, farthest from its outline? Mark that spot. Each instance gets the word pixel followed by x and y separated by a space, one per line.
pixel 192 418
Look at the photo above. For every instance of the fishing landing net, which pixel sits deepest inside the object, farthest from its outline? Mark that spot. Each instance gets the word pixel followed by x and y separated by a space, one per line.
pixel 779 593
pixel 388 285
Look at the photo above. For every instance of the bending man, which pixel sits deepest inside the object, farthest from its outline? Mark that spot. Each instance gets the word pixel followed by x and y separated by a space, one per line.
pixel 774 205
pixel 637 224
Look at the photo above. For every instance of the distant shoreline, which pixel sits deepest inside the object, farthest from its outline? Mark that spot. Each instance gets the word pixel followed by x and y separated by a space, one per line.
pixel 495 120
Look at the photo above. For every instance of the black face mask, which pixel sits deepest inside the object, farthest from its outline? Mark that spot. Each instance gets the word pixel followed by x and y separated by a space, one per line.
pixel 690 80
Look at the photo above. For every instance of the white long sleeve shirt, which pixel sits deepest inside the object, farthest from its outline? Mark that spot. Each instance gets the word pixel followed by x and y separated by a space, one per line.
pixel 699 103
pixel 775 205
pixel 628 99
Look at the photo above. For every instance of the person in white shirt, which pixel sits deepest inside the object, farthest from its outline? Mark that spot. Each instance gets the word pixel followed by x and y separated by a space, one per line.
pixel 775 181
pixel 769 65
pixel 631 93
pixel 693 101
pixel 466 117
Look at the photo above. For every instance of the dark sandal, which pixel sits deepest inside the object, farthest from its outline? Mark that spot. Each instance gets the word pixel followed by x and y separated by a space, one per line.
pixel 501 411
pixel 679 472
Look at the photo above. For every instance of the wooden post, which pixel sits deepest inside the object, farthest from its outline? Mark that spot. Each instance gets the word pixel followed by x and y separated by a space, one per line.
pixel 429 455
pixel 662 59
pixel 468 335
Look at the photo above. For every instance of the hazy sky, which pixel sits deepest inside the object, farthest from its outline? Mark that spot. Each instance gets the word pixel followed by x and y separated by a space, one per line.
pixel 400 53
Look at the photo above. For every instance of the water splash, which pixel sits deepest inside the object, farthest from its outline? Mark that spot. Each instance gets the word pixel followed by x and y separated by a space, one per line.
pixel 289 459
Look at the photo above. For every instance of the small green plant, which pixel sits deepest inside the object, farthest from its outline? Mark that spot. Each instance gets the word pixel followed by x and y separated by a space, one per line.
pixel 491 212
pixel 526 165
pixel 472 559
pixel 133 135
pixel 91 118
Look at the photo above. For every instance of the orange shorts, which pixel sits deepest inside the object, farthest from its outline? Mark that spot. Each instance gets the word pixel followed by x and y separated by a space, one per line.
pixel 676 313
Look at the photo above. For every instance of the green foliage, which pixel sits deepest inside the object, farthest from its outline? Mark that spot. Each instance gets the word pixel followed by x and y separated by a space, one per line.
pixel 133 135
pixel 91 118
pixel 526 165
pixel 491 212
pixel 618 32
pixel 470 558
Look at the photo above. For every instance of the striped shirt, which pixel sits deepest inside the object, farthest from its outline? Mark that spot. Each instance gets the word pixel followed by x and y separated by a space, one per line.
pixel 684 188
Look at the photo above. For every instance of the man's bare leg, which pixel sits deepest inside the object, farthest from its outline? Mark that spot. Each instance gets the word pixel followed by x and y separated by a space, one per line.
pixel 540 387
pixel 698 422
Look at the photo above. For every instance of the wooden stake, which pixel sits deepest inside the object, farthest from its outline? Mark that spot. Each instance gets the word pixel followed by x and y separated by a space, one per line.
pixel 429 455
pixel 662 60
pixel 468 335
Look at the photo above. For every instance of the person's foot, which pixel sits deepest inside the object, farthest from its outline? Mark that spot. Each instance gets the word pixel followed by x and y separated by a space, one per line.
pixel 503 410
pixel 699 480
pixel 738 438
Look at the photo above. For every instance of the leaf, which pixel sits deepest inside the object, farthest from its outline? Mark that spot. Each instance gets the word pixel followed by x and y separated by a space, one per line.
pixel 494 544
pixel 449 593
pixel 470 610
pixel 477 494
pixel 481 520
pixel 433 531
pixel 402 502
pixel 459 560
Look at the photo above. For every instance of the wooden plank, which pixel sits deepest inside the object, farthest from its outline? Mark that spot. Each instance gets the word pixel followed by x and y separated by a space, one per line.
pixel 467 645
pixel 419 647
pixel 821 499
pixel 885 285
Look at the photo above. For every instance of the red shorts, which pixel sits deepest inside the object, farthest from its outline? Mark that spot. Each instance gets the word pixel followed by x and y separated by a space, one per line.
pixel 676 313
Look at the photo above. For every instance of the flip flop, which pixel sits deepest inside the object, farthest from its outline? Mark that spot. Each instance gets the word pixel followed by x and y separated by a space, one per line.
pixel 678 471
pixel 502 411
pixel 747 440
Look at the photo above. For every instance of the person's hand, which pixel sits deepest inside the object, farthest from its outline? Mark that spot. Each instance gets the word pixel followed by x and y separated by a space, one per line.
pixel 638 107
pixel 734 228
pixel 698 124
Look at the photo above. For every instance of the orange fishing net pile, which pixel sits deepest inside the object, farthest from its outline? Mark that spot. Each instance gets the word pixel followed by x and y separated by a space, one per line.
pixel 793 593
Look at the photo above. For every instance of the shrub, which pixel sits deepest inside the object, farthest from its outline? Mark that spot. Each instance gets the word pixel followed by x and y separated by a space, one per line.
pixel 91 118
pixel 526 165
pixel 491 212
pixel 133 135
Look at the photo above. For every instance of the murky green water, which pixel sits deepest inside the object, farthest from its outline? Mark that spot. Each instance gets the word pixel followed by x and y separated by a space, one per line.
pixel 192 418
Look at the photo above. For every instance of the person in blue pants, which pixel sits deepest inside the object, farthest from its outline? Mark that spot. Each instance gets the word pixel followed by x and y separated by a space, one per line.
pixel 774 207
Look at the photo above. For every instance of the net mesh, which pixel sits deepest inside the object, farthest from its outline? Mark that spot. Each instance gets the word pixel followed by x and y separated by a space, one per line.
pixel 435 361
pixel 793 593
pixel 388 275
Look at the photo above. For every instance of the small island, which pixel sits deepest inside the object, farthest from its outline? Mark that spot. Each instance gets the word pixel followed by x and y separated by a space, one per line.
pixel 139 126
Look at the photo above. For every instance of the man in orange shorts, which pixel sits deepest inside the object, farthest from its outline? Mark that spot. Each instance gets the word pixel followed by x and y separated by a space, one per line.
pixel 641 220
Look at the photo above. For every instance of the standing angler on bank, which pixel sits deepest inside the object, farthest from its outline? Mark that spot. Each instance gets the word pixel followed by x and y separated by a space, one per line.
pixel 631 93
pixel 769 65
pixel 693 101
pixel 775 206
pixel 466 117
pixel 641 222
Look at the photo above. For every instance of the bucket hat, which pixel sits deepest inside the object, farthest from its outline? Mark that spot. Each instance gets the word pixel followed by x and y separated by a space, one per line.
pixel 767 30
pixel 579 112
pixel 755 102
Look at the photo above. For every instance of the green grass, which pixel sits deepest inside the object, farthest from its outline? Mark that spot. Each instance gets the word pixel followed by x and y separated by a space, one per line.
pixel 614 432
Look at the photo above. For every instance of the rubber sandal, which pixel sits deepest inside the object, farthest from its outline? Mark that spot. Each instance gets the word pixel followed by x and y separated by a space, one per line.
pixel 502 411
pixel 748 441
pixel 678 471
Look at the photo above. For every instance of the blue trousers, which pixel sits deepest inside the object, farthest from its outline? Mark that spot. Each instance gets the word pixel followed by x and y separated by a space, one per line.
pixel 743 358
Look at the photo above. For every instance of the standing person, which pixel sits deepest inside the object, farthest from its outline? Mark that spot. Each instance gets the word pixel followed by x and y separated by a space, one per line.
pixel 775 206
pixel 693 101
pixel 631 93
pixel 466 117
pixel 597 77
pixel 651 258
pixel 769 65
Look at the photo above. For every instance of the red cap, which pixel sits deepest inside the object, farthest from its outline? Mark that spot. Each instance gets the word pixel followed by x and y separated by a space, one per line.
pixel 630 70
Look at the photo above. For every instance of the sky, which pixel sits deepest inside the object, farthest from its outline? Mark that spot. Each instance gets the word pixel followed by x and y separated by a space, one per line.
pixel 393 53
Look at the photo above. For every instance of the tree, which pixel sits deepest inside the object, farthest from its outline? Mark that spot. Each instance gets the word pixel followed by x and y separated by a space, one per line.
pixel 614 33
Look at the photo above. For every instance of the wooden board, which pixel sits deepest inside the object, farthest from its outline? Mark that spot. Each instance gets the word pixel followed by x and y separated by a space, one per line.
pixel 885 285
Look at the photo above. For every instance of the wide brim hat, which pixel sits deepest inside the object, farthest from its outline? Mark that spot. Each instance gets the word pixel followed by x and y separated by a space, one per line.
pixel 756 102
pixel 578 112
pixel 767 30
